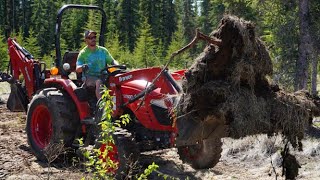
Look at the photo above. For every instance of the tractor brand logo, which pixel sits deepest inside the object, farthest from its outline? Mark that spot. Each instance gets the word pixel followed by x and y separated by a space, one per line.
pixel 125 78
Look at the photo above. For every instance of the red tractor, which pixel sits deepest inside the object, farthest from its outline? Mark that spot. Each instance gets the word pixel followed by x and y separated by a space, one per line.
pixel 60 109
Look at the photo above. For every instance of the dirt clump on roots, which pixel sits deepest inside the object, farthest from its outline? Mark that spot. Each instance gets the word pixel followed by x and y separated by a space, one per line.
pixel 229 83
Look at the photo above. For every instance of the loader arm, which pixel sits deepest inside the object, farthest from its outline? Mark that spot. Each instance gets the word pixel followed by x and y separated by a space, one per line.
pixel 168 86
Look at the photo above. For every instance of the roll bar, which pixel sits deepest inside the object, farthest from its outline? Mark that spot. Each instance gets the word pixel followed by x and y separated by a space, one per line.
pixel 58 26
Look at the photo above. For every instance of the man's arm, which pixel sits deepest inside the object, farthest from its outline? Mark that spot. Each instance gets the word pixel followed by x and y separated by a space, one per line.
pixel 79 63
pixel 110 59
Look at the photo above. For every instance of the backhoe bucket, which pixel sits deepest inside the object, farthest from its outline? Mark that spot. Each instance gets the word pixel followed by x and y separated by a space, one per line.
pixel 17 100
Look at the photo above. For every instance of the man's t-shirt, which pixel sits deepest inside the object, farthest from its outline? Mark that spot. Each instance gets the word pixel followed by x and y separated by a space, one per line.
pixel 96 60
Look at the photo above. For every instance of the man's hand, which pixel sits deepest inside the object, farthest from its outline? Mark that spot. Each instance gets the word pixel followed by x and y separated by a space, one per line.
pixel 85 68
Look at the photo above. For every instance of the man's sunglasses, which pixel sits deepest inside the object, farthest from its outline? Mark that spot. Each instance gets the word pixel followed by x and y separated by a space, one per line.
pixel 93 37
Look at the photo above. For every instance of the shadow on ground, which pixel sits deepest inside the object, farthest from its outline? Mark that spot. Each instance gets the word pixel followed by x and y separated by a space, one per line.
pixel 166 166
pixel 313 131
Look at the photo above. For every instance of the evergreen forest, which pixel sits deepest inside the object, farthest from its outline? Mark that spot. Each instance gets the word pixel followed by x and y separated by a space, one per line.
pixel 144 33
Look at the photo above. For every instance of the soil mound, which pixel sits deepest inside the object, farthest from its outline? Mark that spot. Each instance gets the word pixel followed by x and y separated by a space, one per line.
pixel 227 85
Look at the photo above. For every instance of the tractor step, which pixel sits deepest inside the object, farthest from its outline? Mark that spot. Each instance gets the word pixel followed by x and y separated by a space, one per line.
pixel 88 121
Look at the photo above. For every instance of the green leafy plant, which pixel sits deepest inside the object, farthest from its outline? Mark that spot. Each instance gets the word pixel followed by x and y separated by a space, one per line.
pixel 153 168
pixel 97 160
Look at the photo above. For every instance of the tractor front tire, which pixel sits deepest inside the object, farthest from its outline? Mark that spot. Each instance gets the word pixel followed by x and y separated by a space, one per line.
pixel 128 152
pixel 206 153
pixel 125 153
pixel 52 120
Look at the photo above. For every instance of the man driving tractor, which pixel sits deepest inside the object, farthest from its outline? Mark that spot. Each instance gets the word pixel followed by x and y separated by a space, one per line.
pixel 92 59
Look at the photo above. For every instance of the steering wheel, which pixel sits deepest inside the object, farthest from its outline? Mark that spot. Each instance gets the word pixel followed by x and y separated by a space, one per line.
pixel 111 71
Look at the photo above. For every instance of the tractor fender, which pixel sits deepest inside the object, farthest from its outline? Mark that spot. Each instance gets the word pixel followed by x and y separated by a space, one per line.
pixel 69 87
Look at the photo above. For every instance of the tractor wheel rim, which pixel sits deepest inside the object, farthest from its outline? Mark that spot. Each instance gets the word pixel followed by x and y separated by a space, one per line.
pixel 113 155
pixel 41 126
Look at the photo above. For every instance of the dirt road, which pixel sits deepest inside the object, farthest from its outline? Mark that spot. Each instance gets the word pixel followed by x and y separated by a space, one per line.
pixel 249 158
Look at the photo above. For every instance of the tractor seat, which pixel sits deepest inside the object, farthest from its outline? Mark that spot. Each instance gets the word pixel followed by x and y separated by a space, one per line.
pixel 71 58
pixel 83 93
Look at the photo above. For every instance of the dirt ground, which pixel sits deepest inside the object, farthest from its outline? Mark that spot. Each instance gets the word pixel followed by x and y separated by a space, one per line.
pixel 255 157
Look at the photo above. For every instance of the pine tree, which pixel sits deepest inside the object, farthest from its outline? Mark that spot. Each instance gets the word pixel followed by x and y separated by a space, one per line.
pixel 3 53
pixel 32 45
pixel 168 21
pixel 160 52
pixel 110 9
pixel 147 9
pixel 2 16
pixel 128 22
pixel 126 57
pixel 204 19
pixel 120 53
pixel 44 23
pixel 8 11
pixel 314 31
pixel 181 60
pixel 188 19
pixel 67 29
pixel 144 51
pixel 94 21
pixel 243 9
pixel 302 63
pixel 161 16
pixel 19 37
pixel 114 47
pixel 26 11
pixel 12 16
pixel 178 6
pixel 278 19
pixel 217 10
pixel 79 18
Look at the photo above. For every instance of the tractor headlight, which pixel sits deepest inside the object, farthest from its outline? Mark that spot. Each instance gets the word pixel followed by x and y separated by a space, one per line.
pixel 112 69
pixel 66 66
pixel 54 71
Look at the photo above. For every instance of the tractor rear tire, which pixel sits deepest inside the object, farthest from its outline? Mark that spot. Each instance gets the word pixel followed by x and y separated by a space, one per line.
pixel 52 119
pixel 206 153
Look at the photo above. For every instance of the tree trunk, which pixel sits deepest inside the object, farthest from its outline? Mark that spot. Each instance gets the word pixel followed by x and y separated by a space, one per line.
pixel 314 73
pixel 304 46
pixel 8 17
